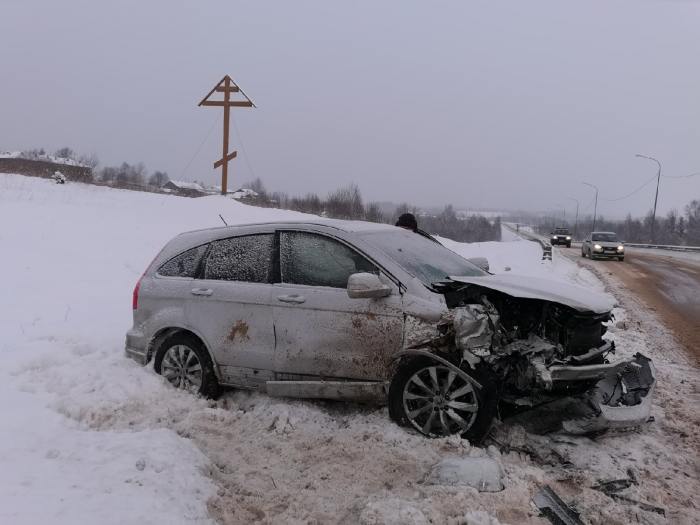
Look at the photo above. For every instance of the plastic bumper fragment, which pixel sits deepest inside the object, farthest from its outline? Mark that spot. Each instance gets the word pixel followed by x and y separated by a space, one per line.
pixel 622 399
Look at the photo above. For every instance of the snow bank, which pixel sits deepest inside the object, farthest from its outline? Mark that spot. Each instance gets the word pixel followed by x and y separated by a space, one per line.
pixel 71 255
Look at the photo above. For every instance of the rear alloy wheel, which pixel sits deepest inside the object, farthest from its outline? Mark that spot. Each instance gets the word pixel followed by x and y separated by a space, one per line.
pixel 183 361
pixel 437 402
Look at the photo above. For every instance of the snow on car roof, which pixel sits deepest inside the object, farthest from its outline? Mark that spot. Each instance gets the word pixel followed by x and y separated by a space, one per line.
pixel 348 226
pixel 189 239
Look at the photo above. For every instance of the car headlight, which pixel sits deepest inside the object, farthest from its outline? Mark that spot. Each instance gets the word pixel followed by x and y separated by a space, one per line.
pixel 554 237
pixel 620 248
pixel 597 247
pixel 568 238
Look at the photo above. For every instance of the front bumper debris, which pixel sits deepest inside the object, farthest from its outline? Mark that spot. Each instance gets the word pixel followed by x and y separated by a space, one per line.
pixel 621 399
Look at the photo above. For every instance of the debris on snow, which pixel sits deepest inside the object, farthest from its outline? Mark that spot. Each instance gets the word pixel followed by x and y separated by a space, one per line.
pixel 482 473
pixel 552 507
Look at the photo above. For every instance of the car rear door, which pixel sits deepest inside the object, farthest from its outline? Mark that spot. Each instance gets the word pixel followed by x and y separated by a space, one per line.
pixel 322 332
pixel 230 307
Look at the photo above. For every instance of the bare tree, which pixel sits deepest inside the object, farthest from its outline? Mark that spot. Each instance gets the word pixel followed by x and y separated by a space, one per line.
pixel 374 213
pixel 158 179
pixel 256 185
pixel 91 161
pixel 65 153
pixel 109 174
pixel 346 203
pixel 692 214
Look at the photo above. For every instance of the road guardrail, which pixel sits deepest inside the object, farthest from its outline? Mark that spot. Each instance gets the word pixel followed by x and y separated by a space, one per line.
pixel 546 246
pixel 664 247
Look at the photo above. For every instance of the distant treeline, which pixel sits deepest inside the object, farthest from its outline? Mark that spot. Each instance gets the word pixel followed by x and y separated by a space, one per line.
pixel 343 203
pixel 347 203
pixel 125 173
pixel 674 229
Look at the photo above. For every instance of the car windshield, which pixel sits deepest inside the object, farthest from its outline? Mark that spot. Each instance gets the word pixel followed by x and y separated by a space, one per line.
pixel 428 261
pixel 560 231
pixel 605 237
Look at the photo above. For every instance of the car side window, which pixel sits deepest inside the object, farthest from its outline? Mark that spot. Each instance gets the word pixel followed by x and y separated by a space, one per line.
pixel 183 265
pixel 247 258
pixel 316 260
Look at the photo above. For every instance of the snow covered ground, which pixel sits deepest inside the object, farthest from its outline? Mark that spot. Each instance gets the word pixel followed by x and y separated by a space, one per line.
pixel 89 436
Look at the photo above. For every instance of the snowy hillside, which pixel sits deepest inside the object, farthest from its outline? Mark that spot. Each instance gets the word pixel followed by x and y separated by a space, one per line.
pixel 74 253
pixel 88 436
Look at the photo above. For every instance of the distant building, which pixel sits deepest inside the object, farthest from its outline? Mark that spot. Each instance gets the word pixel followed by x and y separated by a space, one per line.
pixel 191 189
pixel 183 185
pixel 244 193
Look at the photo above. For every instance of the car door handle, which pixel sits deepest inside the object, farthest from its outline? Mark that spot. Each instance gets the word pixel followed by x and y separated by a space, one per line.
pixel 294 298
pixel 202 291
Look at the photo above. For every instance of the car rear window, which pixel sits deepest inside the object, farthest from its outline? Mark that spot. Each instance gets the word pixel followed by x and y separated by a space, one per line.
pixel 183 265
pixel 247 258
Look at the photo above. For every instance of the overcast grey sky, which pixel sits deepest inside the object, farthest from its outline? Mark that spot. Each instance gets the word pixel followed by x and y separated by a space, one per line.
pixel 482 104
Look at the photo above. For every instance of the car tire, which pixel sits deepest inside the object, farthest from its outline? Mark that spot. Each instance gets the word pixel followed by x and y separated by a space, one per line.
pixel 184 362
pixel 568 245
pixel 583 253
pixel 621 259
pixel 405 400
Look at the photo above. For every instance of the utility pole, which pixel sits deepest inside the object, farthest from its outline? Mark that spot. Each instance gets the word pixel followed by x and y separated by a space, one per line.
pixel 656 197
pixel 575 223
pixel 595 209
pixel 226 86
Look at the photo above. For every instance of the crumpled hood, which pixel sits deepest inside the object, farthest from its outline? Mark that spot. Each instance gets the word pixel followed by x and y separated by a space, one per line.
pixel 527 287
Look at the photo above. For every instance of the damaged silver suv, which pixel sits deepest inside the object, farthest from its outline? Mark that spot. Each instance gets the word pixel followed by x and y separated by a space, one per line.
pixel 374 313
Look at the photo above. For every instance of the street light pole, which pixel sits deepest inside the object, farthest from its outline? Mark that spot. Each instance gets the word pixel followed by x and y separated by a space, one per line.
pixel 575 223
pixel 656 197
pixel 595 208
pixel 563 211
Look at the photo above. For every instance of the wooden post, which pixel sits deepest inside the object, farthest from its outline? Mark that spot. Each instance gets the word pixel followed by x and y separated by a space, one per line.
pixel 227 110
pixel 227 86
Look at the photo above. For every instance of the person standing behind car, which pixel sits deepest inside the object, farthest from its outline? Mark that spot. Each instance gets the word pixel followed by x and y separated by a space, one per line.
pixel 408 221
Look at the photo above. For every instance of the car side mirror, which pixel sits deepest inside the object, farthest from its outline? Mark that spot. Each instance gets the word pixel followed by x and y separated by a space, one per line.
pixel 367 286
pixel 480 262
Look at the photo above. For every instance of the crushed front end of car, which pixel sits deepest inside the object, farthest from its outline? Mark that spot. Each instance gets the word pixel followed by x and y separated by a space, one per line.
pixel 540 350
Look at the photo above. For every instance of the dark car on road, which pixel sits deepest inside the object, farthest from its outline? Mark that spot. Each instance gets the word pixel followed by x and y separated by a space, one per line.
pixel 561 236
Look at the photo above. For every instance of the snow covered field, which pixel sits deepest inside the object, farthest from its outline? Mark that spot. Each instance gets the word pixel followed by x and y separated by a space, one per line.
pixel 90 437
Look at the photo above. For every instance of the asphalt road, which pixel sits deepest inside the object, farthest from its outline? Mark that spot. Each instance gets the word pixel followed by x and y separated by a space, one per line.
pixel 667 284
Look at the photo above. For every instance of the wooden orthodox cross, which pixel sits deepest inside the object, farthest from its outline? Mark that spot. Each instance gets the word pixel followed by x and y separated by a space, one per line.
pixel 227 86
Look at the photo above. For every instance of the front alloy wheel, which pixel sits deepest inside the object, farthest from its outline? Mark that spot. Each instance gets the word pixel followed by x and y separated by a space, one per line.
pixel 439 403
pixel 436 401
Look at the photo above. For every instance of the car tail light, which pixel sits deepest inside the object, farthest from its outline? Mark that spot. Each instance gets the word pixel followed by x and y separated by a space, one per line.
pixel 135 296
